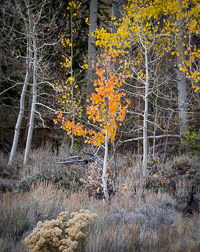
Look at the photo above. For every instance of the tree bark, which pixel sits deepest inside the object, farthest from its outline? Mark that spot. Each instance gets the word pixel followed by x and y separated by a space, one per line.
pixel 116 12
pixel 145 141
pixel 104 175
pixel 181 79
pixel 34 99
pixel 91 44
pixel 19 121
pixel 22 99
pixel 182 91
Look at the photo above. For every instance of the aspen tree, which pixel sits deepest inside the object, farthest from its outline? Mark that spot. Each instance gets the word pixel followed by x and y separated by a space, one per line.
pixel 106 111
pixel 33 55
pixel 23 93
pixel 67 94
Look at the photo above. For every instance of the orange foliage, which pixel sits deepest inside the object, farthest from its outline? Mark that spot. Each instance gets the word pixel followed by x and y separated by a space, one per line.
pixel 106 107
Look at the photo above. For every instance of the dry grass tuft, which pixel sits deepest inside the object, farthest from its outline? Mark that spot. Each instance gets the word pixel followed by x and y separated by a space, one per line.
pixel 20 212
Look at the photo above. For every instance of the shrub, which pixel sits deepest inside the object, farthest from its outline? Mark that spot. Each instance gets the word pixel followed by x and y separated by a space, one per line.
pixel 122 228
pixel 59 234
pixel 191 140
pixel 59 177
pixel 5 185
pixel 179 176
pixel 154 211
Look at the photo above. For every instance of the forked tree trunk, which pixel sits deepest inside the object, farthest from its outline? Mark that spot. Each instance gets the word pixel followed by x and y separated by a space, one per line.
pixel 22 99
pixel 19 121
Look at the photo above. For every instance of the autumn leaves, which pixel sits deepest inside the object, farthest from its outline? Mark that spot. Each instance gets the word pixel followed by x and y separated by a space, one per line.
pixel 106 107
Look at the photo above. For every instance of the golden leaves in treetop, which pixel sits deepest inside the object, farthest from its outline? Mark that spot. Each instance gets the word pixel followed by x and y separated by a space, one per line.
pixel 142 23
pixel 144 20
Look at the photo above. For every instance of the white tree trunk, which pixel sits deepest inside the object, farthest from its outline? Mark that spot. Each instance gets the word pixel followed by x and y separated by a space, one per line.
pixel 22 99
pixel 104 175
pixel 34 99
pixel 145 141
pixel 182 91
pixel 19 121
pixel 181 79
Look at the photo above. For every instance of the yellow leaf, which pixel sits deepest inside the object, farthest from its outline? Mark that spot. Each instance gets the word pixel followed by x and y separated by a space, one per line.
pixel 71 79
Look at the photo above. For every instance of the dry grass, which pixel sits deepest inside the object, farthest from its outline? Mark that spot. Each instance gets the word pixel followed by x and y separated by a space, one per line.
pixel 136 219
pixel 39 159
pixel 4 159
pixel 20 212
pixel 135 234
pixel 142 225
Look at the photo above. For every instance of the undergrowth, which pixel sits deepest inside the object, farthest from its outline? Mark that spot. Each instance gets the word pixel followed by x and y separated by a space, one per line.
pixel 137 219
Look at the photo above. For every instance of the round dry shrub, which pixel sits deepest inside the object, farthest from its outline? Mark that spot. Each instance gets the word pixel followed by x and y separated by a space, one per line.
pixel 60 234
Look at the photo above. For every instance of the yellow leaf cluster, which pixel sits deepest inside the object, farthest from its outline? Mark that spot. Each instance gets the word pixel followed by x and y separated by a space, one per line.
pixel 74 4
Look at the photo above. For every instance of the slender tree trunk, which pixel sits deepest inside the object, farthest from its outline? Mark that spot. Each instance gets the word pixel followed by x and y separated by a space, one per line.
pixel 91 44
pixel 104 175
pixel 145 141
pixel 34 99
pixel 155 122
pixel 181 79
pixel 19 121
pixel 182 91
pixel 72 89
pixel 22 99
pixel 116 12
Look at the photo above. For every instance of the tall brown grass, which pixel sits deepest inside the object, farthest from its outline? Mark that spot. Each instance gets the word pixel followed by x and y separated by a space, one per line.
pixel 136 219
